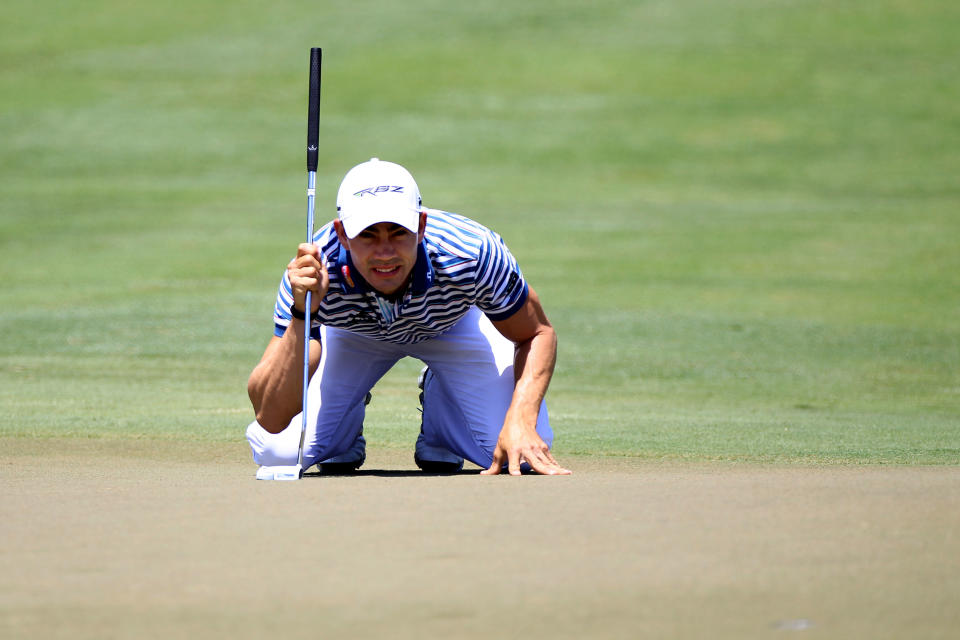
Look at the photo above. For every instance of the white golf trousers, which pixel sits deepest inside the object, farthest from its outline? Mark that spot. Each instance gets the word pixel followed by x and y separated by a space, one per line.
pixel 465 398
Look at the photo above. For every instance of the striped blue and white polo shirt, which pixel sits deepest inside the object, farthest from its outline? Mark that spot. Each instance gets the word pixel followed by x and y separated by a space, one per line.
pixel 460 264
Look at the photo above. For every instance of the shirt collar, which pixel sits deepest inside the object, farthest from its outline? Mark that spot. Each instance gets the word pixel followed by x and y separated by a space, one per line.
pixel 422 271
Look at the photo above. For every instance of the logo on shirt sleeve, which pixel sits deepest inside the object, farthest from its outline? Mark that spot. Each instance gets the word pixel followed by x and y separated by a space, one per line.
pixel 512 281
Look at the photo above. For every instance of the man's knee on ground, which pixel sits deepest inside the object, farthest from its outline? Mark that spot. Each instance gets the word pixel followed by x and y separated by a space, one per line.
pixel 273 449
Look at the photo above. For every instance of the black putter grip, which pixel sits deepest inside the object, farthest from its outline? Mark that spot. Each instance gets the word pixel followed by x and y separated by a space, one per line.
pixel 313 109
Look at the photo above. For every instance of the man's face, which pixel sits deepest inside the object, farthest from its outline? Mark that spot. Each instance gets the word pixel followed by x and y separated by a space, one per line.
pixel 384 254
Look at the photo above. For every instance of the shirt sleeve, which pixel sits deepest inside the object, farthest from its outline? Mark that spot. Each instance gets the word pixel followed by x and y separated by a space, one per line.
pixel 501 288
pixel 281 310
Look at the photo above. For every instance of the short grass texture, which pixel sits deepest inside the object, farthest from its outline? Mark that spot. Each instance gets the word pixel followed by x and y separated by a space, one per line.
pixel 742 217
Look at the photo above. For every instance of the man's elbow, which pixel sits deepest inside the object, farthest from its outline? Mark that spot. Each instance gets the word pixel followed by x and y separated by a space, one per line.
pixel 543 337
pixel 255 392
pixel 272 424
pixel 552 333
pixel 272 421
pixel 268 417
pixel 548 336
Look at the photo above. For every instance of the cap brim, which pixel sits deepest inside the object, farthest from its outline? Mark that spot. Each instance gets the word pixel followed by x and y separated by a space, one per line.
pixel 356 220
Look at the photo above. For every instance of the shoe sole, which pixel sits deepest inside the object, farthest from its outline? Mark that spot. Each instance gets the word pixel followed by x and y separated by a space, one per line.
pixel 339 468
pixel 433 466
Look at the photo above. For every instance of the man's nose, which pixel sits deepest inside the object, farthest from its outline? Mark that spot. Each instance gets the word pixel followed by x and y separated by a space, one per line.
pixel 384 247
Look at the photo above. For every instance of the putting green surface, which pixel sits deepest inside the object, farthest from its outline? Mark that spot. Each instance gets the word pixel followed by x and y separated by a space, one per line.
pixel 741 217
pixel 156 540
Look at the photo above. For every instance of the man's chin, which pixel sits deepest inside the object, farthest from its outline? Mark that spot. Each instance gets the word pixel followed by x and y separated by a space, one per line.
pixel 386 286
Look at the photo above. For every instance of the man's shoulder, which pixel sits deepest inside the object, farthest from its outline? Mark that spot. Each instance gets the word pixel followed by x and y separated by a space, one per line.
pixel 326 237
pixel 455 235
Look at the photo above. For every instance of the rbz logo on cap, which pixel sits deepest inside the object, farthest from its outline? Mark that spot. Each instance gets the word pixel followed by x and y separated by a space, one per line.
pixel 384 188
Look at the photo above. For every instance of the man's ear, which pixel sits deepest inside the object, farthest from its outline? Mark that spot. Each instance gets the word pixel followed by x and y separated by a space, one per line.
pixel 423 226
pixel 341 234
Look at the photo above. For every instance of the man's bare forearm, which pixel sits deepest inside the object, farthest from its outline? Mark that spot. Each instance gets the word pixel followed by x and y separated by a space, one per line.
pixel 519 440
pixel 534 362
pixel 275 386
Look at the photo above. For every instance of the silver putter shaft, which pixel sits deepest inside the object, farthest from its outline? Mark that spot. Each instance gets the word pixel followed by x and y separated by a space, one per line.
pixel 295 472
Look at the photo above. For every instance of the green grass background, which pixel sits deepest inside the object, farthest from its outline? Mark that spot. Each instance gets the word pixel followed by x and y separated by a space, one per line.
pixel 742 217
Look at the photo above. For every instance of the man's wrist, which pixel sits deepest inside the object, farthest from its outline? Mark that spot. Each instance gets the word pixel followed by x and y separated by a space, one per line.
pixel 297 313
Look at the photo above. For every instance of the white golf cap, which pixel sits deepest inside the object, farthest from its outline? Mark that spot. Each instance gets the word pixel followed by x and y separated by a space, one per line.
pixel 377 191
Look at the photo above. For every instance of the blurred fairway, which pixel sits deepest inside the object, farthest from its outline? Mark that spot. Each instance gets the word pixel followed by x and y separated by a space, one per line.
pixel 742 217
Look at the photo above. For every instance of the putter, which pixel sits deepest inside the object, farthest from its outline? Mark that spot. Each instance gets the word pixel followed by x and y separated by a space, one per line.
pixel 295 472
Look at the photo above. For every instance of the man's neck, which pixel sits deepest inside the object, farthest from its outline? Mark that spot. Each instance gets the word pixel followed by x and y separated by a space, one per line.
pixel 397 295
